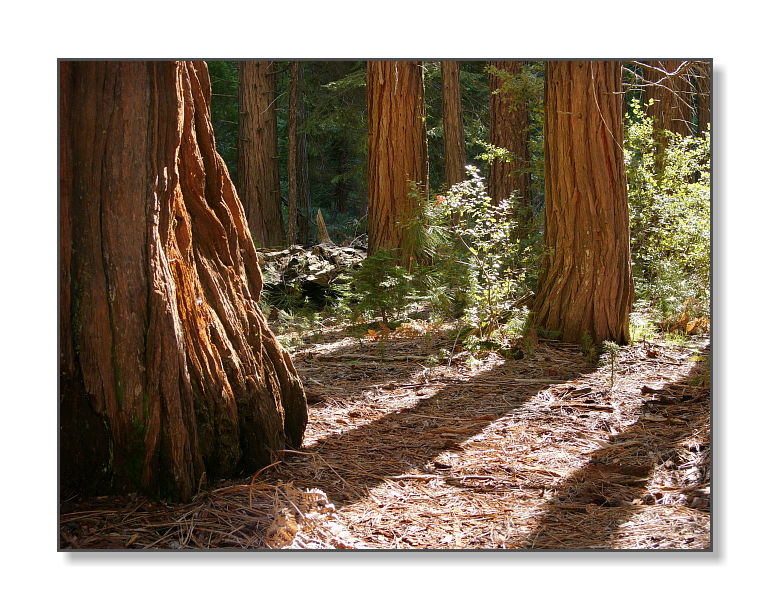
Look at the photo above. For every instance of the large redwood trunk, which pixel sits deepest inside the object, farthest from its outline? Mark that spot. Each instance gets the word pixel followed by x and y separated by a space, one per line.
pixel 258 177
pixel 454 140
pixel 398 151
pixel 508 121
pixel 168 369
pixel 585 283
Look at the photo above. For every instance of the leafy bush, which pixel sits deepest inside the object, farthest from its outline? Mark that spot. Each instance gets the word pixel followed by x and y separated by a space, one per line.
pixel 482 240
pixel 669 205
pixel 382 286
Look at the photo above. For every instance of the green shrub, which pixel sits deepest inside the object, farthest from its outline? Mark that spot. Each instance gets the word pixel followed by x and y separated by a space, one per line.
pixel 669 214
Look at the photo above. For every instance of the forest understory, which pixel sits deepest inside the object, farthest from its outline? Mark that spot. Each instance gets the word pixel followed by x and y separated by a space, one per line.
pixel 413 443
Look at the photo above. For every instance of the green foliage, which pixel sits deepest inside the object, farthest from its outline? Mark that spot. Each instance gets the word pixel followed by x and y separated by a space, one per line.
pixel 610 351
pixel 669 214
pixel 525 89
pixel 498 266
pixel 474 93
pixel 224 111
pixel 382 286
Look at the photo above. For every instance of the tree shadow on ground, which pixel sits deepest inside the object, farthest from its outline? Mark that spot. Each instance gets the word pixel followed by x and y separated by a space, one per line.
pixel 660 465
pixel 347 464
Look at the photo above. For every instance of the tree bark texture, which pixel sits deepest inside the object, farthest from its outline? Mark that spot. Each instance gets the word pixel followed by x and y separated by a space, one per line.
pixel 167 367
pixel 291 223
pixel 585 283
pixel 704 97
pixel 454 140
pixel 258 176
pixel 669 89
pixel 398 151
pixel 508 121
pixel 303 173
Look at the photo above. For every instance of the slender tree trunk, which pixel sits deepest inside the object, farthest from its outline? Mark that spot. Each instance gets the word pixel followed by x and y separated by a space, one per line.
pixel 585 283
pixel 258 177
pixel 454 140
pixel 168 369
pixel 398 151
pixel 508 121
pixel 303 175
pixel 291 230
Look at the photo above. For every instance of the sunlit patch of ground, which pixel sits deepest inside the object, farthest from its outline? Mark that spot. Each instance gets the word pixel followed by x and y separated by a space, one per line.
pixel 414 443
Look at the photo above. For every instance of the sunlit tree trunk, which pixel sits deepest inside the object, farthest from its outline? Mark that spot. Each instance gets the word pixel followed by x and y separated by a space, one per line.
pixel 454 140
pixel 585 284
pixel 508 120
pixel 168 369
pixel 398 151
pixel 258 177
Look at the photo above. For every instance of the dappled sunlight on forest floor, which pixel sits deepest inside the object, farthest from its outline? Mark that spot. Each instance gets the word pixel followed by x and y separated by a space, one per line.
pixel 414 443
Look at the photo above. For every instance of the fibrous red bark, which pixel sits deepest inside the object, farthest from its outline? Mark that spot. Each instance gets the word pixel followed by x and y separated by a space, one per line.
pixel 508 121
pixel 398 151
pixel 585 284
pixel 168 369
pixel 454 140
pixel 258 179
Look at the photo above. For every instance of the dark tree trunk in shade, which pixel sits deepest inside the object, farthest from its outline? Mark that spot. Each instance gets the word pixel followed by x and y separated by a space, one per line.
pixel 508 123
pixel 168 369
pixel 258 177
pixel 398 150
pixel 303 175
pixel 291 223
pixel 669 89
pixel 454 140
pixel 704 97
pixel 585 283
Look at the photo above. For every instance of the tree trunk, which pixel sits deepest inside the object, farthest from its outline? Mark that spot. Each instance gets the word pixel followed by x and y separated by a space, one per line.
pixel 258 177
pixel 667 86
pixel 585 283
pixel 704 97
pixel 291 230
pixel 671 91
pixel 168 370
pixel 398 151
pixel 454 140
pixel 303 175
pixel 508 121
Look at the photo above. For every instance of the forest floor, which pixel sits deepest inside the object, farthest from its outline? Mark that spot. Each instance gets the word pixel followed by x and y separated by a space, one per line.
pixel 413 443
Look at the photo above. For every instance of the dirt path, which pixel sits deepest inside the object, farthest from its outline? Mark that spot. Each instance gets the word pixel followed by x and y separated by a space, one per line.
pixel 405 450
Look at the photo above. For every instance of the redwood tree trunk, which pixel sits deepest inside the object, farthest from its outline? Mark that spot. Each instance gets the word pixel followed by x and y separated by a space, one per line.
pixel 291 223
pixel 258 177
pixel 168 369
pixel 585 283
pixel 454 140
pixel 508 121
pixel 303 174
pixel 671 90
pixel 398 150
